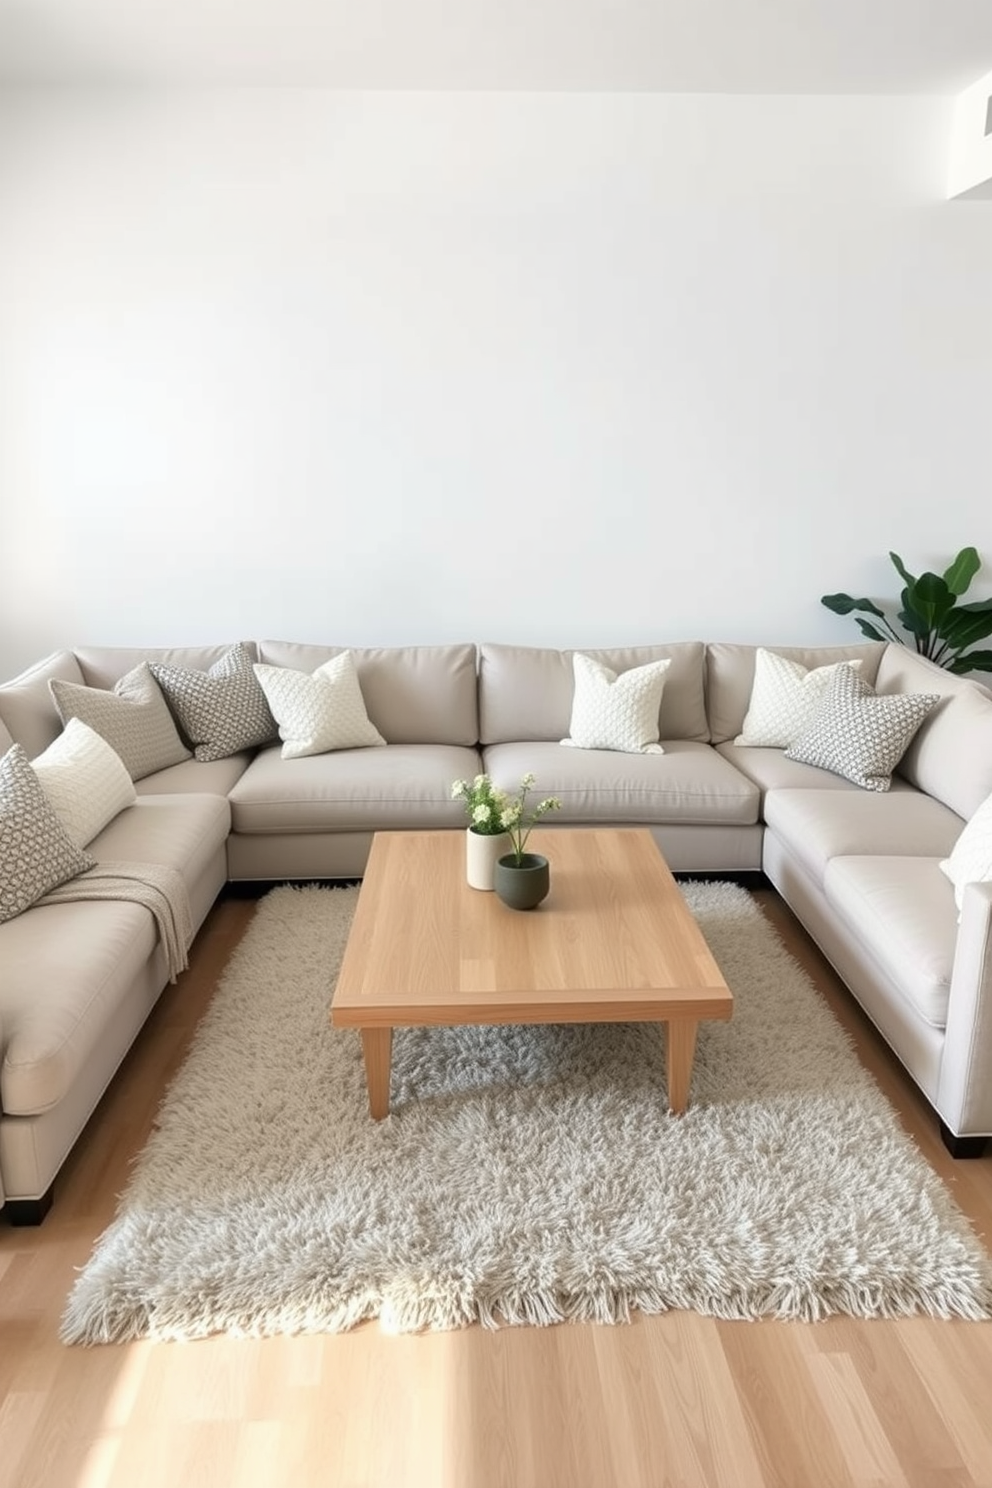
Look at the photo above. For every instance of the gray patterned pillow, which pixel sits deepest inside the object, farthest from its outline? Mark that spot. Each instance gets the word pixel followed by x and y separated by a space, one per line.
pixel 220 711
pixel 36 851
pixel 859 733
pixel 134 719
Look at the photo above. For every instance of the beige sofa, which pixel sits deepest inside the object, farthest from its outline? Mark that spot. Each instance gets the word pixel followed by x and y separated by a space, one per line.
pixel 860 869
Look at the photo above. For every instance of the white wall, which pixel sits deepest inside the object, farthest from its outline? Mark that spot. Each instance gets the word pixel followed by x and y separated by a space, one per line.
pixel 567 369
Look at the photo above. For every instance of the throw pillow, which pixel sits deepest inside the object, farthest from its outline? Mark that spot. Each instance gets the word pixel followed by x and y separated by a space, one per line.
pixel 220 711
pixel 319 711
pixel 859 733
pixel 134 719
pixel 971 855
pixel 36 852
pixel 616 712
pixel 784 699
pixel 85 780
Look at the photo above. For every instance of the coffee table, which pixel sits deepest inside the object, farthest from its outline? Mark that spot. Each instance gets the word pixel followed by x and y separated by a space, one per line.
pixel 614 942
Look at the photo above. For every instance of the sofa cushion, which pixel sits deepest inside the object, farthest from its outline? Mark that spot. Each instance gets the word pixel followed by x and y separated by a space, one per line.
pixel 817 825
pixel 611 711
pixel 970 860
pixel 858 733
pixel 730 676
pixel 414 694
pixel 904 915
pixel 688 785
pixel 525 692
pixel 26 704
pixel 400 785
pixel 784 699
pixel 180 832
pixel 950 756
pixel 65 968
pixel 215 777
pixel 134 719
pixel 318 712
pixel 771 770
pixel 84 779
pixel 102 666
pixel 36 851
pixel 221 710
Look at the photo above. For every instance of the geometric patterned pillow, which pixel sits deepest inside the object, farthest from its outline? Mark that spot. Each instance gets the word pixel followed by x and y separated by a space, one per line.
pixel 85 780
pixel 616 712
pixel 859 733
pixel 784 699
pixel 220 711
pixel 971 855
pixel 36 852
pixel 319 711
pixel 134 719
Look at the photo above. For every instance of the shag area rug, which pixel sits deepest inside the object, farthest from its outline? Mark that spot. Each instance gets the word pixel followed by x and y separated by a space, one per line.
pixel 525 1174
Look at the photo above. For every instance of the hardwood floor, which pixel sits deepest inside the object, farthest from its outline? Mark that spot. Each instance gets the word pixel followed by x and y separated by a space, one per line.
pixel 674 1400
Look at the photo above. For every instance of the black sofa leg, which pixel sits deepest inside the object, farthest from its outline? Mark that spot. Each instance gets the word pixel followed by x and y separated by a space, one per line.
pixel 962 1146
pixel 24 1212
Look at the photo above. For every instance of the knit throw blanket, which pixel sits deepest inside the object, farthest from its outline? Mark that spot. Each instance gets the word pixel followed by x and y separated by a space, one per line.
pixel 161 890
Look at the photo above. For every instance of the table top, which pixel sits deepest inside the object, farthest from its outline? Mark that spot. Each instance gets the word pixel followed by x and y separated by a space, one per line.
pixel 613 942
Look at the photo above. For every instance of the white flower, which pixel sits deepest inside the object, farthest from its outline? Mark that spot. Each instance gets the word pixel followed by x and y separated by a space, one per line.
pixel 480 815
pixel 458 788
pixel 528 780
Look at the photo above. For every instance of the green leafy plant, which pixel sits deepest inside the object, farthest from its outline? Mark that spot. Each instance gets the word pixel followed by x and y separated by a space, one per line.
pixel 941 628
pixel 491 810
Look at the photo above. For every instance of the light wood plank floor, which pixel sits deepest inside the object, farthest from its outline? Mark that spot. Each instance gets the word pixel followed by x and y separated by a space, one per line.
pixel 675 1400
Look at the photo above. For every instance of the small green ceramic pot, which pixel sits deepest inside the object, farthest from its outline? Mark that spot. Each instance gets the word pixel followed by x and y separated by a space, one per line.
pixel 522 883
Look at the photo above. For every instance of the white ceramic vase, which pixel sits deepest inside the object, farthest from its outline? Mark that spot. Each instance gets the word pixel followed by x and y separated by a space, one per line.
pixel 481 853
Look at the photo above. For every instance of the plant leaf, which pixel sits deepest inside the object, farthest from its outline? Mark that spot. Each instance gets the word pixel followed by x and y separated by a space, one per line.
pixel 967 624
pixel 843 604
pixel 962 570
pixel 902 570
pixel 931 599
pixel 972 661
pixel 871 631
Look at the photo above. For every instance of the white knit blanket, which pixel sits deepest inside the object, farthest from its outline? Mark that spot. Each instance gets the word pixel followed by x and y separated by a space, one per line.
pixel 161 890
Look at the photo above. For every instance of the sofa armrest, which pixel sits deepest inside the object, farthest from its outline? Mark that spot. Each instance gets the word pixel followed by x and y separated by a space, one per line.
pixel 964 1090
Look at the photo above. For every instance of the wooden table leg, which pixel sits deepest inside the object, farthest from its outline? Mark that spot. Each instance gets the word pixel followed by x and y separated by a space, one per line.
pixel 377 1046
pixel 681 1047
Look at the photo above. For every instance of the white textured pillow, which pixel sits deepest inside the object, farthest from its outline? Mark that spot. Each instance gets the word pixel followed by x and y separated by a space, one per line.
pixel 85 780
pixel 616 712
pixel 320 711
pixel 971 855
pixel 784 699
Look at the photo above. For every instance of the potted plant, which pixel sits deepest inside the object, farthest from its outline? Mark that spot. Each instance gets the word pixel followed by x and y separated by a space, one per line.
pixel 498 830
pixel 941 628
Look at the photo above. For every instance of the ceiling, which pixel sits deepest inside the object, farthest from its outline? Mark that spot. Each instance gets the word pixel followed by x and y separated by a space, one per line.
pixel 674 46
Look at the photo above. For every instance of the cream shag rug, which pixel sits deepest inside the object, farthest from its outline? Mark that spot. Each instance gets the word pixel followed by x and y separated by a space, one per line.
pixel 525 1175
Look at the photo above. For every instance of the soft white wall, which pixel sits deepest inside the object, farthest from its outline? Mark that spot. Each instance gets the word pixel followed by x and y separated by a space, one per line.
pixel 571 369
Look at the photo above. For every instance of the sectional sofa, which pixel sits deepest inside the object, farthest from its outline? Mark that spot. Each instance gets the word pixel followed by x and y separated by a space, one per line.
pixel 860 868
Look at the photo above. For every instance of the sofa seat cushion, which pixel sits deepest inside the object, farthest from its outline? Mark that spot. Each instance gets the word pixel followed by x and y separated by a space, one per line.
pixel 398 785
pixel 181 832
pixel 689 784
pixel 64 969
pixel 770 770
pixel 212 777
pixel 817 825
pixel 903 911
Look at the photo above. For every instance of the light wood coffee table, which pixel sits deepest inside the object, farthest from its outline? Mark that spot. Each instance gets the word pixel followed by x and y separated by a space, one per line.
pixel 613 943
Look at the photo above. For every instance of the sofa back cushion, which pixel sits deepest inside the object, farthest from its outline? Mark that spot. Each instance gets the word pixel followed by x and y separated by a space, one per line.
pixel 413 694
pixel 951 755
pixel 525 692
pixel 27 707
pixel 102 666
pixel 730 676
